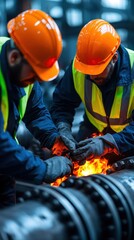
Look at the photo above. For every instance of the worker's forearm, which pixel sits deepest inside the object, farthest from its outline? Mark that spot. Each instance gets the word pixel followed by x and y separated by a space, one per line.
pixel 18 162
pixel 125 139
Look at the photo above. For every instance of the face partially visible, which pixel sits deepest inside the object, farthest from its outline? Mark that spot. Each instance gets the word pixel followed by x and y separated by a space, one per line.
pixel 104 77
pixel 21 73
pixel 26 75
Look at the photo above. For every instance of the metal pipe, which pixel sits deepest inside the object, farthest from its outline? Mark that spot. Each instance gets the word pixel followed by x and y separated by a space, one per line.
pixel 95 207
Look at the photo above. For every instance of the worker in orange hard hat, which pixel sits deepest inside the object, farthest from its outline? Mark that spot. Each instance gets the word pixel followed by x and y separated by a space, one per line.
pixel 30 55
pixel 98 49
pixel 38 38
pixel 101 77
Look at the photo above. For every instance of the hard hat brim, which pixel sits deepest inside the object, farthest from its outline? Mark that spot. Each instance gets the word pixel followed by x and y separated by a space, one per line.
pixel 91 69
pixel 46 74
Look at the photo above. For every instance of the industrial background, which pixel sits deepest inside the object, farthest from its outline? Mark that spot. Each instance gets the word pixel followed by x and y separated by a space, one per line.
pixel 71 15
pixel 93 203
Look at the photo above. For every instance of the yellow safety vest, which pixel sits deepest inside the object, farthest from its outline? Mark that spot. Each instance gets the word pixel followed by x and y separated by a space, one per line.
pixel 4 94
pixel 122 106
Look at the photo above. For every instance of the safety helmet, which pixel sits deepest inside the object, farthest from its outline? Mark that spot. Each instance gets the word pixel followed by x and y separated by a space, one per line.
pixel 97 42
pixel 39 39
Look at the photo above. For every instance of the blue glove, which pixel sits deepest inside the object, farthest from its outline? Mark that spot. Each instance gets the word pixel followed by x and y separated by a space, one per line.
pixel 95 147
pixel 57 167
pixel 66 135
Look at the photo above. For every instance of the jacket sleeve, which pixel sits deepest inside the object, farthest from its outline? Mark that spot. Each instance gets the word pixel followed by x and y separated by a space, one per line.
pixel 125 140
pixel 65 99
pixel 17 161
pixel 38 120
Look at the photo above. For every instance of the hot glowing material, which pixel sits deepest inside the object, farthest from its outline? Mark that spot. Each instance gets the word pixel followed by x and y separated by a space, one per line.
pixel 94 166
pixel 91 167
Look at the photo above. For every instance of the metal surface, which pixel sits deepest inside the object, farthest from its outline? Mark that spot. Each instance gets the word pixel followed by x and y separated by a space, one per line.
pixel 95 207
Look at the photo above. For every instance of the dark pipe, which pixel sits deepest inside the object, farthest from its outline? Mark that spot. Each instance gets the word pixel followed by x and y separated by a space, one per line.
pixel 113 198
pixel 95 207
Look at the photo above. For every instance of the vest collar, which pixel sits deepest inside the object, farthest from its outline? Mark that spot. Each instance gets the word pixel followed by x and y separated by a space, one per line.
pixel 13 90
pixel 125 70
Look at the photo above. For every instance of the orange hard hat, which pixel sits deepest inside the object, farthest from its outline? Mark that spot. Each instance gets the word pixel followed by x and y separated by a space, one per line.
pixel 97 42
pixel 39 39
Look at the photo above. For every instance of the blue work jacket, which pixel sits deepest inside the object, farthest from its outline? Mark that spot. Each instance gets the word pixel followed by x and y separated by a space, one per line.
pixel 14 158
pixel 66 99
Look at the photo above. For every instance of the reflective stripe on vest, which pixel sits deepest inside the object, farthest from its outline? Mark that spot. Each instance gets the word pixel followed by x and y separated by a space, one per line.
pixel 4 94
pixel 91 97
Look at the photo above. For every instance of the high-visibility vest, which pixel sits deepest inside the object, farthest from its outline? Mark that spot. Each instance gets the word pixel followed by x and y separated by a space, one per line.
pixel 91 96
pixel 4 94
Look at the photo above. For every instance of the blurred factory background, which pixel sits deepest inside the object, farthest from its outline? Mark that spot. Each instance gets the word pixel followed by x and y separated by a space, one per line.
pixel 71 15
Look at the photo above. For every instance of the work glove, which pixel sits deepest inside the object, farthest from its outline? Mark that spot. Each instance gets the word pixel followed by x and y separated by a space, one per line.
pixel 43 153
pixel 57 167
pixel 95 147
pixel 66 135
pixel 126 163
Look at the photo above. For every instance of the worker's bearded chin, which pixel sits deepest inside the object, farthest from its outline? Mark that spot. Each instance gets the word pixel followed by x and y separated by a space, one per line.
pixel 15 76
pixel 15 72
pixel 102 81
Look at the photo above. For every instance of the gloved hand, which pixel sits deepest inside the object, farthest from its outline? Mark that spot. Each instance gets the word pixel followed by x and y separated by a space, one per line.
pixel 66 135
pixel 126 163
pixel 57 167
pixel 95 147
pixel 43 153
